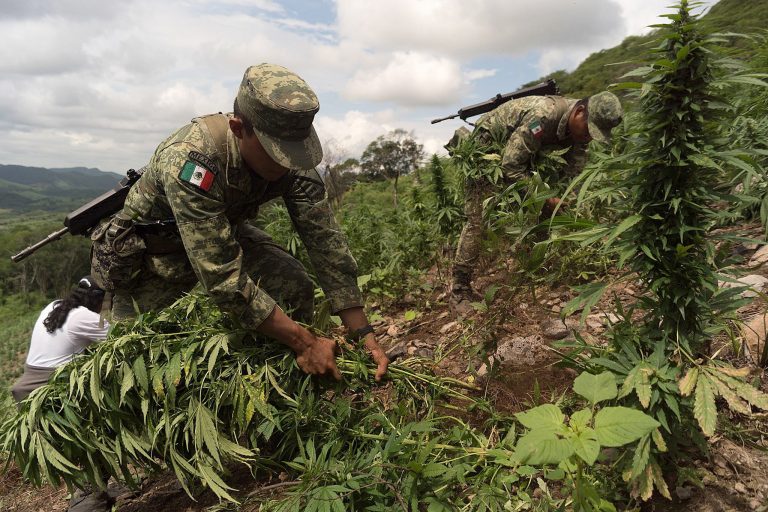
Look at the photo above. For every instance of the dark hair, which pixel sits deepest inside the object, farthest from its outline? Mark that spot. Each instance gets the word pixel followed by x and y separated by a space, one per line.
pixel 86 293
pixel 247 125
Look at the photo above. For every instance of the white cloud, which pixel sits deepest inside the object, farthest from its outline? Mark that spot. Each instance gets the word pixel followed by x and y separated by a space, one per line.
pixel 409 78
pixel 100 84
pixel 480 27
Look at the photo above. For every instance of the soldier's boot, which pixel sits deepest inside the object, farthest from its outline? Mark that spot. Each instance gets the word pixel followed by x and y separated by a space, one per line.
pixel 94 500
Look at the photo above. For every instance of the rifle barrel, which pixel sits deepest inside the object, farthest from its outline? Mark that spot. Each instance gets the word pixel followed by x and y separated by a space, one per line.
pixel 45 241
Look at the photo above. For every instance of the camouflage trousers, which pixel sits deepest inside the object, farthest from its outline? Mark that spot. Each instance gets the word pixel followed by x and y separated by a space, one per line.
pixel 270 266
pixel 471 239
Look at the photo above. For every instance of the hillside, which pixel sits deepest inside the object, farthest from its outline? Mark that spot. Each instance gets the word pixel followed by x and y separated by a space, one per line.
pixel 605 67
pixel 25 189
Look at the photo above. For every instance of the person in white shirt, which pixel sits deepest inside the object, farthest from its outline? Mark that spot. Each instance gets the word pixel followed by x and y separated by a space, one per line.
pixel 63 330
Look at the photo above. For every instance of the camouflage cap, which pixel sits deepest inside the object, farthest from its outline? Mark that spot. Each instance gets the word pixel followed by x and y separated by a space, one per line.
pixel 281 107
pixel 604 115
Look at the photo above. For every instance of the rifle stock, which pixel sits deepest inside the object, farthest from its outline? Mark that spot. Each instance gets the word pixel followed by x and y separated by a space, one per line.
pixel 543 89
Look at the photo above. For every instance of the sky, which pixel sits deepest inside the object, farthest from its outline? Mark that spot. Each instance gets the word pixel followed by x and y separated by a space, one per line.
pixel 99 83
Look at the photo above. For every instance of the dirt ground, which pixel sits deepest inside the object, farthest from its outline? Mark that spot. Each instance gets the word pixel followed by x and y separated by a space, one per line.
pixel 520 327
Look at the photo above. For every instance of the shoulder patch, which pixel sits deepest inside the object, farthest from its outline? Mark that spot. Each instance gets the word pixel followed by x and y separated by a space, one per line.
pixel 536 129
pixel 197 175
pixel 205 161
pixel 308 189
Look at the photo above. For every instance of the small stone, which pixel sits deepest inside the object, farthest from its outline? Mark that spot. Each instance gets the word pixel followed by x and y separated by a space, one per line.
pixel 522 306
pixel 755 282
pixel 684 493
pixel 755 505
pixel 760 257
pixel 392 330
pixel 411 350
pixel 554 329
pixel 740 487
pixel 442 315
pixel 448 327
pixel 482 371
pixel 557 309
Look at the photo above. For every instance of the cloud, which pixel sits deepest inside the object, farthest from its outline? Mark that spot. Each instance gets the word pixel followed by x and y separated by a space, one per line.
pixel 409 78
pixel 468 29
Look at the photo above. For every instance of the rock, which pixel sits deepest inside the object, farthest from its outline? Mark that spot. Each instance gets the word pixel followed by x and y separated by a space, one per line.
pixel 521 351
pixel 755 505
pixel 754 334
pixel 684 493
pixel 398 350
pixel 443 315
pixel 554 329
pixel 392 330
pixel 482 371
pixel 448 327
pixel 756 282
pixel 760 257
pixel 594 322
pixel 557 309
pixel 740 487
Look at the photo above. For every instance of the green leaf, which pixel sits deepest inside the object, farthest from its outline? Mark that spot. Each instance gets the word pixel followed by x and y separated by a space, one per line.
pixel 704 409
pixel 127 383
pixel 580 419
pixel 434 469
pixel 688 383
pixel 410 315
pixel 544 417
pixel 586 445
pixel 596 388
pixel 543 448
pixel 617 426
pixel 140 372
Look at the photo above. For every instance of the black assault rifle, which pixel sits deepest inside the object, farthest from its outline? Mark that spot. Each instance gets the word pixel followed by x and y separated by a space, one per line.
pixel 82 220
pixel 548 88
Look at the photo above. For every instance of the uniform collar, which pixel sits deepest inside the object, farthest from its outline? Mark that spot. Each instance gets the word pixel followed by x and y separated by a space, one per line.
pixel 562 126
pixel 236 172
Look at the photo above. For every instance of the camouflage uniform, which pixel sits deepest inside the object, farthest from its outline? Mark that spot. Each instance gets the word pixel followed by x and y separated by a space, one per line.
pixel 531 125
pixel 209 241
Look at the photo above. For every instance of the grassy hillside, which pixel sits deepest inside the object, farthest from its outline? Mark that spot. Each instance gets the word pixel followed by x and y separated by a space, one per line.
pixel 605 67
pixel 26 189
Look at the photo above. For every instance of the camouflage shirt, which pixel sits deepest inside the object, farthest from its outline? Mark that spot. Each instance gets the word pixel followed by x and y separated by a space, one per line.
pixel 208 216
pixel 531 125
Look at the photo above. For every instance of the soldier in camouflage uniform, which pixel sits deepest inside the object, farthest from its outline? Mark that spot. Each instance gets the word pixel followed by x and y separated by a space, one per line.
pixel 188 213
pixel 530 125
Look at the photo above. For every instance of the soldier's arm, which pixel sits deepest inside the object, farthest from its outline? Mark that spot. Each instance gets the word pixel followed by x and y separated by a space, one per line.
pixel 331 259
pixel 522 145
pixel 326 245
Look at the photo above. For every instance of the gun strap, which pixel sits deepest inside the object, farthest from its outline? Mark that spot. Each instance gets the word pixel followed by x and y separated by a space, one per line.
pixel 216 127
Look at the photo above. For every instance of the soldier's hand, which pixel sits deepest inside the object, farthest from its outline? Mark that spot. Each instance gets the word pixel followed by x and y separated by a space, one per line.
pixel 378 355
pixel 319 358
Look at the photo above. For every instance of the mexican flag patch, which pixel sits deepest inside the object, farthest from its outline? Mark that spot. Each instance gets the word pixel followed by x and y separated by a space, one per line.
pixel 536 130
pixel 197 175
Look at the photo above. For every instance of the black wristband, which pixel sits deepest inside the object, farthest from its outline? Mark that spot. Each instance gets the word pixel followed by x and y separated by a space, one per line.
pixel 358 334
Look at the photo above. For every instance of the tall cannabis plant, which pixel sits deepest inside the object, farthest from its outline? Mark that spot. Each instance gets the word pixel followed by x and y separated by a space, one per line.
pixel 674 184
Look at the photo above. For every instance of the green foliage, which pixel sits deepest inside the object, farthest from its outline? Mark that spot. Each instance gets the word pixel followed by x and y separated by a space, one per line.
pixel 576 444
pixel 189 390
pixel 673 182
pixel 391 156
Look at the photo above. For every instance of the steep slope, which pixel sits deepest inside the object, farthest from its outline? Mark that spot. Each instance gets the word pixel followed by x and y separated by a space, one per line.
pixel 605 67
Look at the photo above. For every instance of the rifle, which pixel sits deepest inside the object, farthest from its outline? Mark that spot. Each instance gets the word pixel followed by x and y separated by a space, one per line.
pixel 543 89
pixel 82 220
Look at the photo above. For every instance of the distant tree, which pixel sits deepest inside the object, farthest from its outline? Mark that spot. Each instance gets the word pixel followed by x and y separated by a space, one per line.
pixel 390 156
